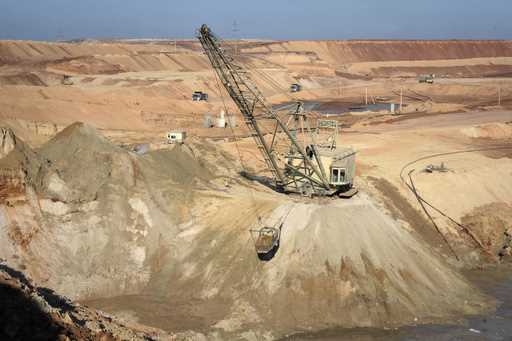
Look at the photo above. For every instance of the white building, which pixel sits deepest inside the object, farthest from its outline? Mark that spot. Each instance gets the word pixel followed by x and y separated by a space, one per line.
pixel 176 137
pixel 221 122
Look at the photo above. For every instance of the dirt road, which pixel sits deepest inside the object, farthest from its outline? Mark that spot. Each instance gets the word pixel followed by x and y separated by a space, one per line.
pixel 439 121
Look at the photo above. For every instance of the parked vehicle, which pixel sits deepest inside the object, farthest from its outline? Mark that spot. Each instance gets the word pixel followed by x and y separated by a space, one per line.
pixel 199 96
pixel 295 87
pixel 429 79
pixel 176 137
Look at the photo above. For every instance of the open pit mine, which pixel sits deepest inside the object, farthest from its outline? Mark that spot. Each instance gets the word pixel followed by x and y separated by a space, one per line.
pixel 255 190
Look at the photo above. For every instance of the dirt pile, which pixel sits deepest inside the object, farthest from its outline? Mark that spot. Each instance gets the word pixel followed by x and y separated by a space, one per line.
pixel 96 211
pixel 7 141
pixel 340 264
pixel 17 159
pixel 85 66
pixel 490 130
pixel 79 162
pixel 492 224
pixel 38 313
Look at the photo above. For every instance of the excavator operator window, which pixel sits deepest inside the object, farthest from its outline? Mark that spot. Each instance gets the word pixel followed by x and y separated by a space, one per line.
pixel 337 175
pixel 309 152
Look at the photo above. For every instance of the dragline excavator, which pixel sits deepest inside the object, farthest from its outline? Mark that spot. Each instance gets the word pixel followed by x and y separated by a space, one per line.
pixel 298 163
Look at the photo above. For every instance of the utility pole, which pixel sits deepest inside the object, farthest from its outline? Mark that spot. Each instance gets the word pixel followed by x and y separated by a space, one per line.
pixel 366 96
pixel 235 35
pixel 401 98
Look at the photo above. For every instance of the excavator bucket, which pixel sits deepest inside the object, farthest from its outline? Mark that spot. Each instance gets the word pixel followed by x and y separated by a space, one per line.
pixel 348 194
pixel 266 242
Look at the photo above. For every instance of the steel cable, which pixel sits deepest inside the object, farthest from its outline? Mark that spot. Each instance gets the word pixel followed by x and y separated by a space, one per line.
pixel 423 202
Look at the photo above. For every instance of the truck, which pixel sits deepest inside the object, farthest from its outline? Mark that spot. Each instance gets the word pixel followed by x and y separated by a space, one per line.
pixel 429 79
pixel 199 96
pixel 295 87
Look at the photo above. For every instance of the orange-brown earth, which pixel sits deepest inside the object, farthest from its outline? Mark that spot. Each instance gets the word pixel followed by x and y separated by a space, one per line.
pixel 147 86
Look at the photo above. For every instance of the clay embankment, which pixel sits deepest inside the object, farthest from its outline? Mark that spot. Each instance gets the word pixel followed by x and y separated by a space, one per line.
pixel 146 86
pixel 363 57
pixel 332 52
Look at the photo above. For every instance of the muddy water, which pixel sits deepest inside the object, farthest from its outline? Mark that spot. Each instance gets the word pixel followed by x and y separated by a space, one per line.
pixel 332 108
pixel 170 314
pixel 335 107
pixel 498 326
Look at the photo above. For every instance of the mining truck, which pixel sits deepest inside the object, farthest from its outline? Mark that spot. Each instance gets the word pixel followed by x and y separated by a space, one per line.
pixel 199 96
pixel 429 79
pixel 295 87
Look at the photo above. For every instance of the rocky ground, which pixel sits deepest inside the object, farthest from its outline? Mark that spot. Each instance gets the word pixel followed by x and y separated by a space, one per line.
pixel 37 313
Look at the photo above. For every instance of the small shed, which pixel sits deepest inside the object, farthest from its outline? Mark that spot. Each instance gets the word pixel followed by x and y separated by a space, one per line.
pixel 67 80
pixel 176 137
pixel 221 122
pixel 208 121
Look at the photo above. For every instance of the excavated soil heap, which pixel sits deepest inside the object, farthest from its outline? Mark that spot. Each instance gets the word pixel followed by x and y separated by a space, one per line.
pixel 162 238
pixel 490 131
pixel 340 264
pixel 92 211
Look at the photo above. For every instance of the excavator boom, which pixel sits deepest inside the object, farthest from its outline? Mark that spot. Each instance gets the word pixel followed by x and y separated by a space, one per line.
pixel 253 107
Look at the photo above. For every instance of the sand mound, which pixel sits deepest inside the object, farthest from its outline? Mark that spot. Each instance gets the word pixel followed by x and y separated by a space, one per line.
pixel 80 160
pixel 7 141
pixel 86 66
pixel 92 218
pixel 17 159
pixel 490 130
pixel 491 224
pixel 340 264
pixel 364 264
pixel 13 150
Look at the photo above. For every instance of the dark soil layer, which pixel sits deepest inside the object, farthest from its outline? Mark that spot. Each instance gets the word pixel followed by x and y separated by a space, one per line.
pixel 400 208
